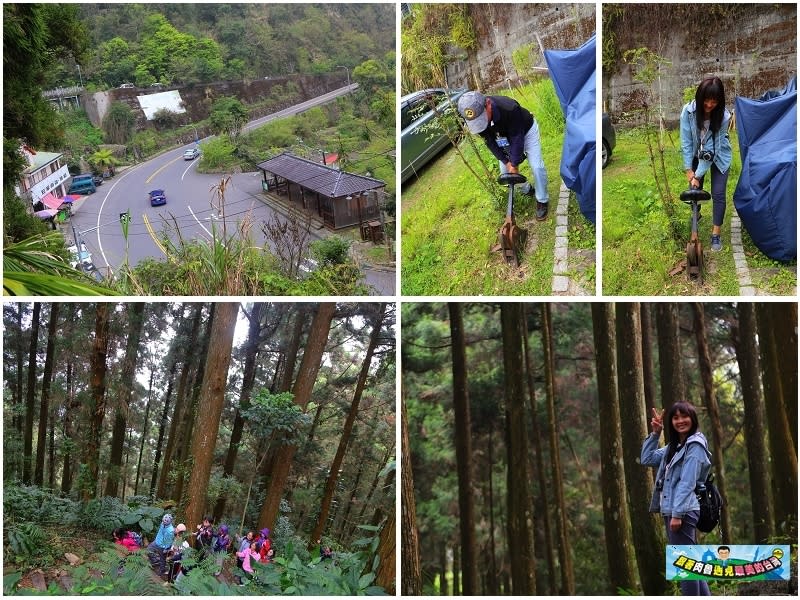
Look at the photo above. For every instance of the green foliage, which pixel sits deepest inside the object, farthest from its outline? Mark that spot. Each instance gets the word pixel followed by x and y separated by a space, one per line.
pixel 22 503
pixel 24 540
pixel 18 223
pixel 270 412
pixel 118 123
pixel 79 133
pixel 216 153
pixel 164 118
pixel 332 250
pixel 228 115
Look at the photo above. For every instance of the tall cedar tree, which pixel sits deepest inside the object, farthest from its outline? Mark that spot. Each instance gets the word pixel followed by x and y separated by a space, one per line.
pixel 347 429
pixel 97 403
pixel 549 545
pixel 744 341
pixel 306 376
pixel 564 548
pixel 463 443
pixel 248 380
pixel 710 399
pixel 520 507
pixel 776 325
pixel 30 395
pixel 670 366
pixel 212 399
pixel 125 396
pixel 619 538
pixel 44 407
pixel 648 531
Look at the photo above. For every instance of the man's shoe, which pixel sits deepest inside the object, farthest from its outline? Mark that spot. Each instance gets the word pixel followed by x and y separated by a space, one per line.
pixel 541 210
pixel 716 243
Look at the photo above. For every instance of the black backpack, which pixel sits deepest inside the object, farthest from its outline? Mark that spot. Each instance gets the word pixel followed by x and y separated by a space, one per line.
pixel 710 504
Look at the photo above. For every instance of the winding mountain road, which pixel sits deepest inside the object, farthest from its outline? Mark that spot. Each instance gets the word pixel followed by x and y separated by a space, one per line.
pixel 191 206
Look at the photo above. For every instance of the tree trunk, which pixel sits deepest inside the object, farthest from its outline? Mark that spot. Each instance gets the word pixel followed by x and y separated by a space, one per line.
pixel 162 426
pixel 492 581
pixel 248 381
pixel 309 367
pixel 30 394
pixel 648 531
pixel 707 378
pixel 771 324
pixel 520 537
pixel 145 430
pixel 648 371
pixel 127 383
pixel 70 406
pixel 385 576
pixel 670 366
pixel 97 404
pixel 544 516
pixel 463 435
pixel 443 585
pixel 18 420
pixel 457 570
pixel 44 406
pixel 744 340
pixel 619 539
pixel 212 399
pixel 409 557
pixel 564 549
pixel 181 399
pixel 344 439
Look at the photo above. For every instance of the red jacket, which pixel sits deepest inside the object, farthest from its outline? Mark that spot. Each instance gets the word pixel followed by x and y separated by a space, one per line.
pixel 128 542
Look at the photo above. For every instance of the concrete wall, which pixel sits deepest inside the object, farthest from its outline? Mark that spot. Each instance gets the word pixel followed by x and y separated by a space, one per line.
pixel 199 98
pixel 503 28
pixel 751 47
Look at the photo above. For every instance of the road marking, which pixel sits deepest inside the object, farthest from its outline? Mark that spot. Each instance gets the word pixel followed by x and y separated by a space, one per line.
pixel 198 221
pixel 191 164
pixel 100 211
pixel 149 179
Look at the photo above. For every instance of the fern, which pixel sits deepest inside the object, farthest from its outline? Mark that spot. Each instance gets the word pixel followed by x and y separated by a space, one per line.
pixel 25 539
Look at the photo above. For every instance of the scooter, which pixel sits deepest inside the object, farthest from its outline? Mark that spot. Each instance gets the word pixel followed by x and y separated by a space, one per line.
pixel 511 238
pixel 695 262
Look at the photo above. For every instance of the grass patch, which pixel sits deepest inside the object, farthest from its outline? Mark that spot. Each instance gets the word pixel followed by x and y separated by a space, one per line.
pixel 450 222
pixel 638 248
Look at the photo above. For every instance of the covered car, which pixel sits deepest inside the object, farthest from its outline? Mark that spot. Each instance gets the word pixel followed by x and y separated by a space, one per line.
pixel 766 193
pixel 573 75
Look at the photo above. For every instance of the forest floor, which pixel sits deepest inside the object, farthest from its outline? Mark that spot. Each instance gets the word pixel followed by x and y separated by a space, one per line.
pixel 640 255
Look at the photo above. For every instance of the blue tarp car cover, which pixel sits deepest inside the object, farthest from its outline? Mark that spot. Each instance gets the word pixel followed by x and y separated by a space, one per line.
pixel 573 75
pixel 766 194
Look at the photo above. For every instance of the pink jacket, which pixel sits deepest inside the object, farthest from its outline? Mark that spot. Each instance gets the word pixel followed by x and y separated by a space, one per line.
pixel 128 542
pixel 246 555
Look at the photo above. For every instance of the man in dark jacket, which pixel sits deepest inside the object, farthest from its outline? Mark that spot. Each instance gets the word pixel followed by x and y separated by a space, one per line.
pixel 511 133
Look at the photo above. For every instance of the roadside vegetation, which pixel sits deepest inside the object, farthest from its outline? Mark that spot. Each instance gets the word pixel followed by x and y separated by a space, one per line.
pixel 450 218
pixel 639 249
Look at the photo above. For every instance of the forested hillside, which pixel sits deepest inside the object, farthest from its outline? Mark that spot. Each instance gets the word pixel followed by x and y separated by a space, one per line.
pixel 191 43
pixel 523 426
pixel 276 416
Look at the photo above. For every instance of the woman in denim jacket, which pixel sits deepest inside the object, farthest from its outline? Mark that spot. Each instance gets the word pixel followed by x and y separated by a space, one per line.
pixel 705 146
pixel 681 464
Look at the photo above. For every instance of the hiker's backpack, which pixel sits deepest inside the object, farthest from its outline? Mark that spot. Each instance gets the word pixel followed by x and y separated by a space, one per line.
pixel 710 504
pixel 137 537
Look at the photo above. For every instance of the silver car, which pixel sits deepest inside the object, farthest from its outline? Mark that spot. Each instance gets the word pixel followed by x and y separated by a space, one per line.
pixel 421 137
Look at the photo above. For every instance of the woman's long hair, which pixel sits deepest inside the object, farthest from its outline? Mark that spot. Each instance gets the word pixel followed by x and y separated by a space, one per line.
pixel 684 408
pixel 710 87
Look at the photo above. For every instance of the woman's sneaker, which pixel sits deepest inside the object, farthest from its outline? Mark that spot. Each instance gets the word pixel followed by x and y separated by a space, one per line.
pixel 716 243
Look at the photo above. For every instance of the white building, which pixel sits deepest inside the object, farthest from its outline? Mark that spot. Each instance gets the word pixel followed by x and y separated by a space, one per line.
pixel 46 173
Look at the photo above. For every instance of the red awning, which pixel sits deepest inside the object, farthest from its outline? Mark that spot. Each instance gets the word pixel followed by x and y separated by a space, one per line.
pixel 51 201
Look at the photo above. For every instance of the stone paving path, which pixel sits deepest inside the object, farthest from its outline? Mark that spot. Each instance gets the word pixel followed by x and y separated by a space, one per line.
pixel 563 285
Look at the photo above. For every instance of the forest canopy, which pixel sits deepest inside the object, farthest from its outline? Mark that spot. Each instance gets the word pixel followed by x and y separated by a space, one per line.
pixel 259 415
pixel 523 426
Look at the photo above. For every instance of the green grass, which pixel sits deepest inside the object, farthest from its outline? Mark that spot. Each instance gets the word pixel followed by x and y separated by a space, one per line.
pixel 450 222
pixel 638 248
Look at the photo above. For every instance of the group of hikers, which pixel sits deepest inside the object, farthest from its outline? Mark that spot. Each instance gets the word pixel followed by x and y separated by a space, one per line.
pixel 166 551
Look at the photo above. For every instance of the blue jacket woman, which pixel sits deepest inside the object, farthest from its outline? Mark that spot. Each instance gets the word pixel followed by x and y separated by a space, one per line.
pixel 705 146
pixel 681 464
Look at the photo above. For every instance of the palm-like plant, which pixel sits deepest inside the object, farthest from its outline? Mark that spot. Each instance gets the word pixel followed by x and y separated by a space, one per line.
pixel 104 159
pixel 32 267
